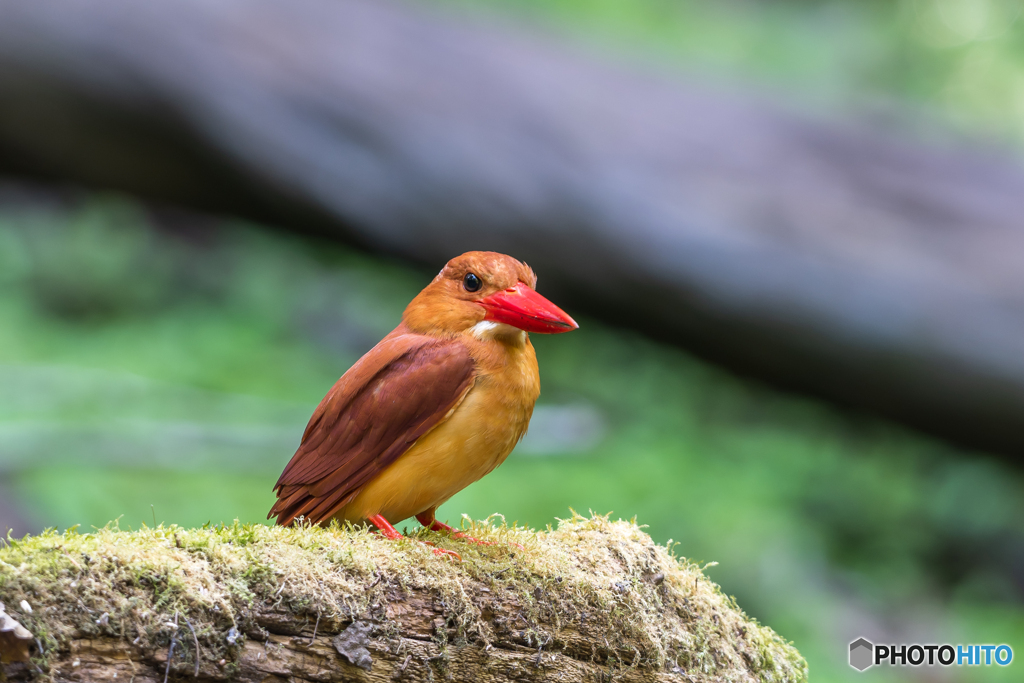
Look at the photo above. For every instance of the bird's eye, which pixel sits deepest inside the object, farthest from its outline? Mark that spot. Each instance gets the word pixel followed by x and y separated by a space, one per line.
pixel 471 282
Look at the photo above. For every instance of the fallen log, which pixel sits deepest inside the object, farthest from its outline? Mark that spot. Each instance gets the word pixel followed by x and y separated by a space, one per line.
pixel 881 273
pixel 12 519
pixel 593 600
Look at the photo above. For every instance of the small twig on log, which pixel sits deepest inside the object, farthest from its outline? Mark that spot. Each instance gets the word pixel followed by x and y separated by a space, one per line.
pixel 401 669
pixel 315 627
pixel 170 650
pixel 196 641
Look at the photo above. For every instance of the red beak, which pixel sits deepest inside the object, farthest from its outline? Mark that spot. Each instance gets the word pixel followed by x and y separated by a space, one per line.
pixel 524 308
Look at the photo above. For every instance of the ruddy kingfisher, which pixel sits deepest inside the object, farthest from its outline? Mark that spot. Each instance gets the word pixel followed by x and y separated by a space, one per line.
pixel 436 405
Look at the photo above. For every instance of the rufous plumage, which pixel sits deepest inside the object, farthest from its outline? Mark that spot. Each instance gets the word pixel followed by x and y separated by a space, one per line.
pixel 439 403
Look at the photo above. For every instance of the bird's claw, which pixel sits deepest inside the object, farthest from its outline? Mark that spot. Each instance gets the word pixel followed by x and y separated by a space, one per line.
pixel 443 551
pixel 389 532
pixel 450 553
pixel 477 541
pixel 467 537
pixel 433 525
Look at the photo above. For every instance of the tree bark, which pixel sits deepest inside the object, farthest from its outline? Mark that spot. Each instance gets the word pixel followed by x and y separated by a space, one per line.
pixel 592 601
pixel 882 273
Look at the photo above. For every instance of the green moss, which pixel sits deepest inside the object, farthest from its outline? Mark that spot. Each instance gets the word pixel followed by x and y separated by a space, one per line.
pixel 137 585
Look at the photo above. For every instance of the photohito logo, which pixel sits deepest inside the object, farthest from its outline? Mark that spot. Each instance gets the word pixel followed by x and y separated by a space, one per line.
pixel 865 654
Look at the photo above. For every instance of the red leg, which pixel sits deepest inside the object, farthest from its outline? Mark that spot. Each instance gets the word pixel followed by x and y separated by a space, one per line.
pixel 385 527
pixel 428 520
pixel 388 531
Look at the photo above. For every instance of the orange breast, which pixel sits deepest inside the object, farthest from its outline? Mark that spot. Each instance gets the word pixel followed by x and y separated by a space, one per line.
pixel 477 437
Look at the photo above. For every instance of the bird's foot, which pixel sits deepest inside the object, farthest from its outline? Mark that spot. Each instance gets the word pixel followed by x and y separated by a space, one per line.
pixel 390 532
pixel 443 551
pixel 433 525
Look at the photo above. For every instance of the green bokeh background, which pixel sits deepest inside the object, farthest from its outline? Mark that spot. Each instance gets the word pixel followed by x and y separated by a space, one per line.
pixel 159 368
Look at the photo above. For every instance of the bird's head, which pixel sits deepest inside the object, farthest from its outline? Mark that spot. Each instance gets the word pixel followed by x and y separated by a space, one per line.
pixel 487 294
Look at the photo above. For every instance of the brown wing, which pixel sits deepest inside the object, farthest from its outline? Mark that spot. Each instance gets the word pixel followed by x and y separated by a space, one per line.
pixel 396 393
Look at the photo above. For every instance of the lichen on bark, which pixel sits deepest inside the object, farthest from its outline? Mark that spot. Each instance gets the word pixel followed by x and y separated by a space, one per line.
pixel 588 600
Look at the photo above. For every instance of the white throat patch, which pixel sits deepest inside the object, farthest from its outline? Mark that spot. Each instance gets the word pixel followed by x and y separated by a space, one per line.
pixel 488 329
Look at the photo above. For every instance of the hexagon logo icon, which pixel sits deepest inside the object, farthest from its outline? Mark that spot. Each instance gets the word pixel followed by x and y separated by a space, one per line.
pixel 861 654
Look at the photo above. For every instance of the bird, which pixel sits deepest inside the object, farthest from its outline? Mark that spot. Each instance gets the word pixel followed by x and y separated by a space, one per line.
pixel 437 404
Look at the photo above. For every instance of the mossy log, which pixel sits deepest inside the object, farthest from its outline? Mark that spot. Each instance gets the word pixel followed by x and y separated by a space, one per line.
pixel 592 600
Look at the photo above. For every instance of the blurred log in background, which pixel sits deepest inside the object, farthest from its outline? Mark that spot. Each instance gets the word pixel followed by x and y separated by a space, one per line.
pixel 859 265
pixel 158 364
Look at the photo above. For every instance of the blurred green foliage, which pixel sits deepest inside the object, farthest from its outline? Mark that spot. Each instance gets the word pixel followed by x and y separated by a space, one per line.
pixel 170 380
pixel 159 366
